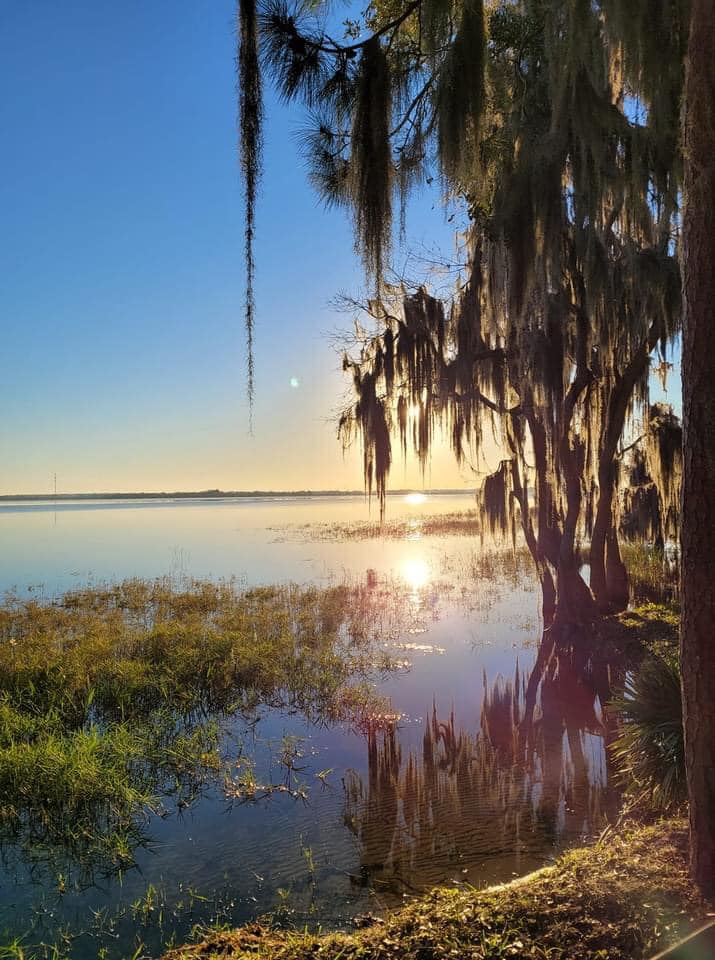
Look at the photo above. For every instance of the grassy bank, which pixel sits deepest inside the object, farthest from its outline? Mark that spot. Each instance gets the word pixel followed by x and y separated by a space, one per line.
pixel 623 898
pixel 645 628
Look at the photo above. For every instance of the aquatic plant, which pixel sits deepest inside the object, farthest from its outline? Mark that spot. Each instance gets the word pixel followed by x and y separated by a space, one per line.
pixel 113 697
pixel 457 523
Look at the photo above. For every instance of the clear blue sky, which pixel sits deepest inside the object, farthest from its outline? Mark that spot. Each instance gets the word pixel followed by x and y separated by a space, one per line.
pixel 121 275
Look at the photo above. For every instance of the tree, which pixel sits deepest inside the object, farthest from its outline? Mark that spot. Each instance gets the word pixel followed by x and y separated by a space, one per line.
pixel 698 499
pixel 557 122
pixel 573 277
pixel 423 82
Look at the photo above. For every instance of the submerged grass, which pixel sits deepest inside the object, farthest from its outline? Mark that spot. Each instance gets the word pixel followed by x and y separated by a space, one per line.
pixel 621 899
pixel 112 698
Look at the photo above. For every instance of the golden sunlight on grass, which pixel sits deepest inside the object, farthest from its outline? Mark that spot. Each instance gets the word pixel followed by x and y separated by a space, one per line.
pixel 622 898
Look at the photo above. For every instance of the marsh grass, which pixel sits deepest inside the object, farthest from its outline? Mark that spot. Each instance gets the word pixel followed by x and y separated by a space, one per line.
pixel 652 574
pixel 646 628
pixel 112 698
pixel 463 523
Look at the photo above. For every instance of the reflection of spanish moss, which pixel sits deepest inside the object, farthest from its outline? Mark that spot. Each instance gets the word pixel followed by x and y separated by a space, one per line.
pixel 418 821
pixel 507 793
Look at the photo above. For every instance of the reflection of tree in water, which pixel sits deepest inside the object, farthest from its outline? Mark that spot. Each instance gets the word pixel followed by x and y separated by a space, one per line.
pixel 499 799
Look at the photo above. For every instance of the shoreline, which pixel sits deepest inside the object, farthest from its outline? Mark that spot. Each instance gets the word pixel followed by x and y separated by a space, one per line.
pixel 216 495
pixel 625 897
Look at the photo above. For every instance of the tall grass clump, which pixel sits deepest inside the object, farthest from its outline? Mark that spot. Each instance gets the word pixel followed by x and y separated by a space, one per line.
pixel 653 575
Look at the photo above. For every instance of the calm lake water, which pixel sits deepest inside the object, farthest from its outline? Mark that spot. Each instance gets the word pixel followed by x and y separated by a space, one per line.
pixel 399 810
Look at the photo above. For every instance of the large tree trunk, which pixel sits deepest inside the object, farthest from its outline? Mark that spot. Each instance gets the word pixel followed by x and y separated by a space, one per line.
pixel 575 605
pixel 608 577
pixel 599 536
pixel 617 583
pixel 698 497
pixel 534 541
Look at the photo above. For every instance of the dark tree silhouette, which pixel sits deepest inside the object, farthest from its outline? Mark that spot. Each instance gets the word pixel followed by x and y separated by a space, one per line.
pixel 573 276
pixel 558 123
pixel 698 512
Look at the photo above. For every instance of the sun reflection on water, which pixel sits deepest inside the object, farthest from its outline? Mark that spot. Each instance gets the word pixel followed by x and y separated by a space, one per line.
pixel 416 573
pixel 414 529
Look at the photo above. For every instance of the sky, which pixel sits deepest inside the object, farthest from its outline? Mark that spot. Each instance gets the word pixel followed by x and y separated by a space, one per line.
pixel 121 275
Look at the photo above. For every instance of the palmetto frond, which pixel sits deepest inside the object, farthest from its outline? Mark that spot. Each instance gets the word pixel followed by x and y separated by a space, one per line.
pixel 649 750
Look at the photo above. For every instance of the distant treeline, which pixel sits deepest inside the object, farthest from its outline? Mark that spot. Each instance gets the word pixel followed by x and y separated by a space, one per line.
pixel 205 494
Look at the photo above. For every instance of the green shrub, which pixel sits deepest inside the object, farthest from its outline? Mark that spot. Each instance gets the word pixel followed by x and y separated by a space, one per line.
pixel 649 749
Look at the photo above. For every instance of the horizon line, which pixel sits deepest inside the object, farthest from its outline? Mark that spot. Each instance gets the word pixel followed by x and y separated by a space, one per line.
pixel 215 493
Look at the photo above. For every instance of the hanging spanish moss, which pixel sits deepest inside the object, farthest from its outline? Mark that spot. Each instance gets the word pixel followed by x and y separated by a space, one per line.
pixel 497 501
pixel 641 516
pixel 664 460
pixel 650 503
pixel 250 107
pixel 435 24
pixel 371 157
pixel 460 91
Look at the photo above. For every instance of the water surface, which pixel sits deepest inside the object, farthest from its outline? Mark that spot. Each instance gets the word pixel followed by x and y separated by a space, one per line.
pixel 460 789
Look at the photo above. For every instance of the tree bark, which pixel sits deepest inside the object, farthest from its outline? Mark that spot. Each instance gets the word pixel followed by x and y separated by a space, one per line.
pixel 604 556
pixel 617 585
pixel 521 495
pixel 575 605
pixel 698 491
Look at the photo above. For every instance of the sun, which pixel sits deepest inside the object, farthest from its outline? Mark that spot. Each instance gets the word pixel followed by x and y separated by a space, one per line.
pixel 415 498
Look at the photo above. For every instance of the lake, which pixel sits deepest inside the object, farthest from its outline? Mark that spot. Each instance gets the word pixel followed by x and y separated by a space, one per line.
pixel 452 792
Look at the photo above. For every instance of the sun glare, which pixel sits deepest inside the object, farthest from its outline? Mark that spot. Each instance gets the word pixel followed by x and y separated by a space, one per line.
pixel 415 498
pixel 415 573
